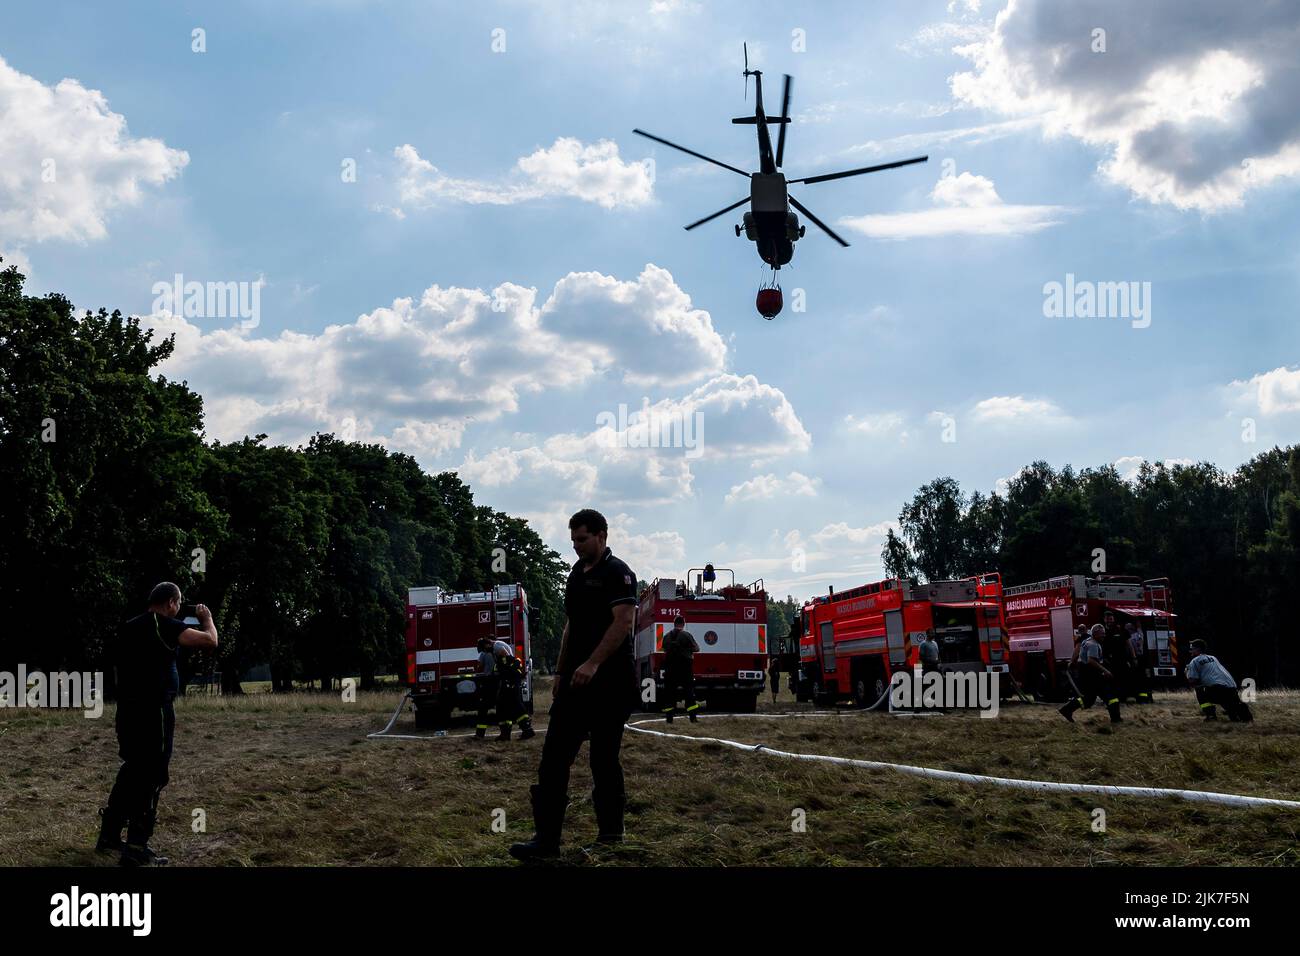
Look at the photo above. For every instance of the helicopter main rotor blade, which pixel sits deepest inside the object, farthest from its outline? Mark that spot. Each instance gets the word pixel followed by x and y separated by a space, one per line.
pixel 858 172
pixel 785 114
pixel 700 222
pixel 814 220
pixel 690 152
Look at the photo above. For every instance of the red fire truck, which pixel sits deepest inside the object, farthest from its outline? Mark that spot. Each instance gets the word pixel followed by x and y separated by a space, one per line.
pixel 442 634
pixel 851 643
pixel 1041 618
pixel 729 624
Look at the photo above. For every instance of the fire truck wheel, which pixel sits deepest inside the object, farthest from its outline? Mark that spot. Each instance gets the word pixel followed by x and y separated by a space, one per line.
pixel 426 718
pixel 860 692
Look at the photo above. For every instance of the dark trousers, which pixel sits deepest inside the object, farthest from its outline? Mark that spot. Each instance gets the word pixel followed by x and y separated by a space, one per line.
pixel 1139 684
pixel 145 734
pixel 595 713
pixel 510 705
pixel 1225 697
pixel 679 681
pixel 1092 686
pixel 488 690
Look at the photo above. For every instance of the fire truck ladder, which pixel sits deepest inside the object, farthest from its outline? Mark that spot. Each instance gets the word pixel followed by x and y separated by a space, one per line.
pixel 503 618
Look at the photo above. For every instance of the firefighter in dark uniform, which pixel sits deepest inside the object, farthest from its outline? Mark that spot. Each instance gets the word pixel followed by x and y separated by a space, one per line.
pixel 510 688
pixel 1214 685
pixel 487 684
pixel 1139 682
pixel 680 648
pixel 144 654
pixel 595 690
pixel 1117 654
pixel 1093 679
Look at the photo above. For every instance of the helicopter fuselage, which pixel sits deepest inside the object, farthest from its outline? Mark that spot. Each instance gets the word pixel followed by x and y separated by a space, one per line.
pixel 770 224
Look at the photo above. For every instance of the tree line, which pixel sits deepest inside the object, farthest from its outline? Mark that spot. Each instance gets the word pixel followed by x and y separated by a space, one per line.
pixel 304 555
pixel 1228 542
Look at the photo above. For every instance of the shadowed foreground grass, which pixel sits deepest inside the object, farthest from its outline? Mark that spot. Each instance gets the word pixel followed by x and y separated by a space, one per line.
pixel 292 780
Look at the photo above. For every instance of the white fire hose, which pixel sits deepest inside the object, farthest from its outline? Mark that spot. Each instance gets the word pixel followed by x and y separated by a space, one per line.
pixel 1194 796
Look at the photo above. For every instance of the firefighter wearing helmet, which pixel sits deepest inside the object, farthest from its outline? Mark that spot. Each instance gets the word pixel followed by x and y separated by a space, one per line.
pixel 1092 678
pixel 680 648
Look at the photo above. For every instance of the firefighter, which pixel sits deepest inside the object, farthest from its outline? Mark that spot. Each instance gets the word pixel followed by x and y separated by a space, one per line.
pixel 1139 683
pixel 929 653
pixel 1092 678
pixel 774 677
pixel 595 690
pixel 147 683
pixel 1117 654
pixel 1214 685
pixel 680 648
pixel 487 684
pixel 510 688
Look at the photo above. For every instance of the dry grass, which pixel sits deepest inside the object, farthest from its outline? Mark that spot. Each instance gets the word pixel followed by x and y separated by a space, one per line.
pixel 292 780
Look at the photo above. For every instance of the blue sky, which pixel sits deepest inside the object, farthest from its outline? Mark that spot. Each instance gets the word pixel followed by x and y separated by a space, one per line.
pixel 511 176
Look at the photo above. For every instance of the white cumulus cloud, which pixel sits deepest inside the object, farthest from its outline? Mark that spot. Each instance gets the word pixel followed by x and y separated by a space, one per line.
pixel 763 487
pixel 965 204
pixel 67 160
pixel 413 374
pixel 593 173
pixel 1276 392
pixel 1192 104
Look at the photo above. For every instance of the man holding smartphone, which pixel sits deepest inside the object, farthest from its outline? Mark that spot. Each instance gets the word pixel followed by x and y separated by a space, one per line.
pixel 147 684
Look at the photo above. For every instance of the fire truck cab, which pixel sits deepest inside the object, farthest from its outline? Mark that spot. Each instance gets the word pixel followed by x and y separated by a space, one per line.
pixel 1041 618
pixel 852 643
pixel 730 625
pixel 442 634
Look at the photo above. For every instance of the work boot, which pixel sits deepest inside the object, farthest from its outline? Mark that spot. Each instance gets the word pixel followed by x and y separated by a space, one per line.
pixel 668 716
pixel 110 832
pixel 1112 708
pixel 528 732
pixel 505 732
pixel 548 818
pixel 133 855
pixel 1210 713
pixel 1070 707
pixel 609 817
pixel 137 851
pixel 694 719
pixel 480 731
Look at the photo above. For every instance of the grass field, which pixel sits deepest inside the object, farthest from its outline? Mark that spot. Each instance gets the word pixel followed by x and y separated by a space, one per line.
pixel 293 780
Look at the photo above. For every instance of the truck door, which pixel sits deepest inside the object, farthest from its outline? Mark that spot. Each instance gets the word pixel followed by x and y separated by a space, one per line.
pixel 1062 633
pixel 895 639
pixel 828 648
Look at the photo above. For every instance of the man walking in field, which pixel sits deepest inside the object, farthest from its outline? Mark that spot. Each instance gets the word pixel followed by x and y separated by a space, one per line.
pixel 680 648
pixel 594 694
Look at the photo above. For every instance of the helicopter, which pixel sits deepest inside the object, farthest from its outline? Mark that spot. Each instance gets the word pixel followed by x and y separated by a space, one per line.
pixel 770 224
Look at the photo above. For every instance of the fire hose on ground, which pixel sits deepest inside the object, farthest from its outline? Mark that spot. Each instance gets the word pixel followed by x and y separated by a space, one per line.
pixel 952 776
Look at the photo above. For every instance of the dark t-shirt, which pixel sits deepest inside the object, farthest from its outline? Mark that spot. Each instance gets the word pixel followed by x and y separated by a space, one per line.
pixel 146 659
pixel 1114 648
pixel 589 601
pixel 680 646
